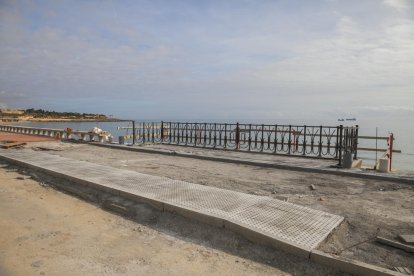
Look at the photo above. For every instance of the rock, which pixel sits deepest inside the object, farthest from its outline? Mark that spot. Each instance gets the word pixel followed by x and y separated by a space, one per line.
pixel 407 238
pixel 321 199
pixel 357 164
pixel 312 187
pixel 283 198
pixel 37 263
pixel 23 177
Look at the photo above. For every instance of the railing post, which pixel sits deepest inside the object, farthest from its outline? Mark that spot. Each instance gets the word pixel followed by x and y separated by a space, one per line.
pixel 133 132
pixel 340 145
pixel 237 138
pixel 205 134
pixel 262 139
pixel 170 133
pixel 289 142
pixel 250 136
pixel 275 140
pixel 356 143
pixel 162 131
pixel 320 141
pixel 225 135
pixel 304 140
pixel 391 142
pixel 178 133
pixel 215 138
pixel 153 132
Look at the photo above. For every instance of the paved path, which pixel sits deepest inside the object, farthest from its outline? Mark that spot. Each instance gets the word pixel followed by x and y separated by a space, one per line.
pixel 281 224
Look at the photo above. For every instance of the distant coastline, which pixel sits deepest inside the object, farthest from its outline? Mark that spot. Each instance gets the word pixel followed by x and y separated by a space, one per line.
pixel 40 115
pixel 72 120
pixel 59 120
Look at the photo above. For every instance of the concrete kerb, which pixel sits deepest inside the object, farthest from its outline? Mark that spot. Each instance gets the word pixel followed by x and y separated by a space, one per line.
pixel 195 215
pixel 347 265
pixel 350 266
pixel 266 239
pixel 139 199
pixel 259 163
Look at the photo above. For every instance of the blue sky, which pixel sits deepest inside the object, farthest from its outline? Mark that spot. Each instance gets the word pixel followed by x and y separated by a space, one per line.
pixel 209 59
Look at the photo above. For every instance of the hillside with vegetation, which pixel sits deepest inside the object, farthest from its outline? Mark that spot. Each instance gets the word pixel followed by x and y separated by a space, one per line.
pixel 41 115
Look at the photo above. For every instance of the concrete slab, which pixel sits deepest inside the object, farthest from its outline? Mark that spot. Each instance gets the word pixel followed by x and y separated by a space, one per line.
pixel 281 224
pixel 407 239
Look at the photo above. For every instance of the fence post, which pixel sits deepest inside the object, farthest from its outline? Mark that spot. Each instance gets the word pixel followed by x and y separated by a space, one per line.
pixel 320 141
pixel 250 136
pixel 215 138
pixel 162 131
pixel 391 142
pixel 290 137
pixel 356 143
pixel 340 145
pixel 225 135
pixel 133 132
pixel 304 140
pixel 153 132
pixel 237 136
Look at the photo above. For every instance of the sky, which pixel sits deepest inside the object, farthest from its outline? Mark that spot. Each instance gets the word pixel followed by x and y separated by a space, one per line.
pixel 192 60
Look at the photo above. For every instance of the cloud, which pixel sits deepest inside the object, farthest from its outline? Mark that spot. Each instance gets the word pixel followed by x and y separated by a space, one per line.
pixel 387 108
pixel 399 5
pixel 219 59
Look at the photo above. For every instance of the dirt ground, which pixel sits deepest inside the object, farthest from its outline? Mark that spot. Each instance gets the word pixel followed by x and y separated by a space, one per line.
pixel 46 232
pixel 369 206
pixel 13 137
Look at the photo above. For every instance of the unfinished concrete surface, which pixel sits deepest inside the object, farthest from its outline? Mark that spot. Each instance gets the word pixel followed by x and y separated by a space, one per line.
pixel 293 228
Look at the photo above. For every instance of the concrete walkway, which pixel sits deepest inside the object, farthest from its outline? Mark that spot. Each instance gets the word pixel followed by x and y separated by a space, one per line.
pixel 284 225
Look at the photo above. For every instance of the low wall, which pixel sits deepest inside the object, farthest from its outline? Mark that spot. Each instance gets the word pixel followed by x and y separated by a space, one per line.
pixel 55 133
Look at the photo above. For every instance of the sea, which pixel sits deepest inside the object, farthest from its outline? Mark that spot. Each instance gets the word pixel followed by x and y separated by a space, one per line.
pixel 402 129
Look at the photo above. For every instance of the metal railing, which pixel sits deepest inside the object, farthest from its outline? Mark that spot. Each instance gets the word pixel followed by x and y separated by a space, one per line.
pixel 311 141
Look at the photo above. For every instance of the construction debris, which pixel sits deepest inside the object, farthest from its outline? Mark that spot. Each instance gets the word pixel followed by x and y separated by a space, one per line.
pixel 402 269
pixel 23 177
pixel 12 145
pixel 395 244
pixel 408 239
pixel 312 187
pixel 46 149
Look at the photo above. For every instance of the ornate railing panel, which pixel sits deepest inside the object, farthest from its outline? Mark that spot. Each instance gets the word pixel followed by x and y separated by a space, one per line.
pixel 315 141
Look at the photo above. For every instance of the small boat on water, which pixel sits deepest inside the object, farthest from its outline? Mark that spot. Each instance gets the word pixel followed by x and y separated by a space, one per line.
pixel 341 120
pixel 351 119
